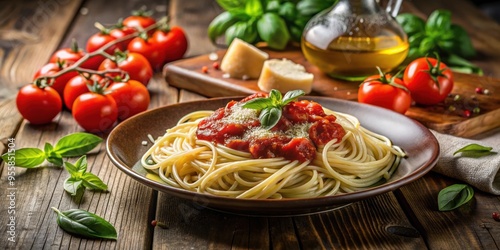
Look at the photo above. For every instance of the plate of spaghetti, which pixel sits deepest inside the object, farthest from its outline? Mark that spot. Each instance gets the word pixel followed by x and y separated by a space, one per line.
pixel 272 155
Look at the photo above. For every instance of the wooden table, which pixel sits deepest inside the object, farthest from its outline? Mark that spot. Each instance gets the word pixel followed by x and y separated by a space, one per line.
pixel 404 219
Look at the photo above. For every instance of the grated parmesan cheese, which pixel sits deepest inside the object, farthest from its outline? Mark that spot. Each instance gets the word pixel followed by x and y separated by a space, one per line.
pixel 240 115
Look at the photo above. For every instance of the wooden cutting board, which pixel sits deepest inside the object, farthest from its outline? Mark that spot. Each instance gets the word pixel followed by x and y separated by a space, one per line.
pixel 188 74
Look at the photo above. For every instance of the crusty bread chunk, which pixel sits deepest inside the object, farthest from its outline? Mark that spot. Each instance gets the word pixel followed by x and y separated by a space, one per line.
pixel 243 60
pixel 284 75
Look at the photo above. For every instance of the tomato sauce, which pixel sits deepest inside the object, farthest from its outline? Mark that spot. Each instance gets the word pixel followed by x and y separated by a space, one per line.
pixel 302 128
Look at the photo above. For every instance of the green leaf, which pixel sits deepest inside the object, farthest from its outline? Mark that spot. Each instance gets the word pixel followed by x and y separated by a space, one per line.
pixel 73 185
pixel 462 45
pixel 474 150
pixel 231 4
pixel 292 95
pixel 288 11
pixel 76 144
pixel 243 30
pixel 427 46
pixel 438 21
pixel 25 157
pixel 258 103
pixel 222 22
pixel 276 97
pixel 273 30
pixel 411 24
pixel 85 224
pixel 458 64
pixel 269 117
pixel 253 8
pixel 454 196
pixel 52 156
pixel 273 6
pixel 78 169
pixel 311 7
pixel 93 182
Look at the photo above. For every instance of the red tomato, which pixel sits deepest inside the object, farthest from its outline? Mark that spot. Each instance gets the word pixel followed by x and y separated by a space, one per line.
pixel 119 31
pixel 385 91
pixel 150 49
pixel 95 112
pixel 97 41
pixel 77 86
pixel 135 64
pixel 67 55
pixel 38 105
pixel 131 97
pixel 429 80
pixel 173 42
pixel 59 82
pixel 140 19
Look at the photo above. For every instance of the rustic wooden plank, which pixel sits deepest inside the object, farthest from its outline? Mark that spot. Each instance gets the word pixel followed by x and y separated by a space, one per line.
pixel 375 223
pixel 465 228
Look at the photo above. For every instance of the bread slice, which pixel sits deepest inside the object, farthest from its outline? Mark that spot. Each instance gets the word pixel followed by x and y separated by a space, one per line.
pixel 243 60
pixel 284 75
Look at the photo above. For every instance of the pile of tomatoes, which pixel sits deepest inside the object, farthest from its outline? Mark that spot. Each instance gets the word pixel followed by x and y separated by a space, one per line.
pixel 107 82
pixel 426 81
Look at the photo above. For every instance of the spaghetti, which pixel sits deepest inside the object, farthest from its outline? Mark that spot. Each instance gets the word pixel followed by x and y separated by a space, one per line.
pixel 357 160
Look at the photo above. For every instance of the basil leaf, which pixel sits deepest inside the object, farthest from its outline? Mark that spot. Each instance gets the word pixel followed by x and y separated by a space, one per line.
pixel 475 150
pixel 275 96
pixel 25 157
pixel 77 169
pixel 222 22
pixel 73 185
pixel 242 30
pixel 76 144
pixel 438 21
pixel 231 4
pixel 462 43
pixel 273 6
pixel 461 65
pixel 273 30
pixel 269 117
pixel 311 7
pixel 52 156
pixel 411 24
pixel 253 8
pixel 93 182
pixel 454 196
pixel 85 224
pixel 288 11
pixel 427 46
pixel 258 103
pixel 292 95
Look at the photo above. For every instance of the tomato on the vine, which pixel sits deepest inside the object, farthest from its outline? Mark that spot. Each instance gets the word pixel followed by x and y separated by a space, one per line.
pixel 140 19
pixel 119 30
pixel 77 86
pixel 135 64
pixel 149 48
pixel 131 97
pixel 50 69
pixel 68 55
pixel 38 105
pixel 385 91
pixel 173 42
pixel 97 41
pixel 95 112
pixel 429 80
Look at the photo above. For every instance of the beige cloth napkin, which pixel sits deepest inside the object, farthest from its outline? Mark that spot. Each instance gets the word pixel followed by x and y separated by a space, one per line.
pixel 482 173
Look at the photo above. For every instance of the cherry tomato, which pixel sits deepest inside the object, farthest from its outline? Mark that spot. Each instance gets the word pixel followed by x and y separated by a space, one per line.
pixel 95 112
pixel 140 19
pixel 385 91
pixel 51 69
pixel 429 80
pixel 135 64
pixel 68 55
pixel 131 97
pixel 38 105
pixel 173 42
pixel 150 49
pixel 97 41
pixel 79 85
pixel 119 31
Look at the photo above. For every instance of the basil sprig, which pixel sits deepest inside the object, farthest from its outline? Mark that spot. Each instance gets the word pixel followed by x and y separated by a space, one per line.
pixel 71 145
pixel 439 35
pixel 85 224
pixel 80 178
pixel 474 150
pixel 271 107
pixel 454 196
pixel 276 22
